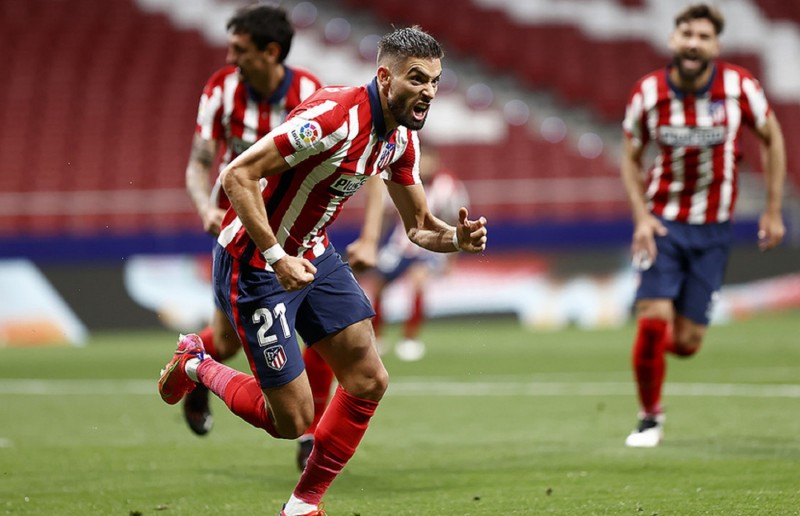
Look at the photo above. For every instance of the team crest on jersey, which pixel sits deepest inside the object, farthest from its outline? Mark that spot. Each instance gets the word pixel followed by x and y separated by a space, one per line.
pixel 386 155
pixel 717 112
pixel 305 135
pixel 276 357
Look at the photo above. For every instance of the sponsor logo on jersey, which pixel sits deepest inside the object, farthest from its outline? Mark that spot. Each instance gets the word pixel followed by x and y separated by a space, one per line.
pixel 347 185
pixel 276 357
pixel 386 155
pixel 691 136
pixel 305 135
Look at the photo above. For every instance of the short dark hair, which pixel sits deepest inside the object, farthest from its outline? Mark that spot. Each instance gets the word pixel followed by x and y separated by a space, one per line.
pixel 408 42
pixel 266 24
pixel 702 11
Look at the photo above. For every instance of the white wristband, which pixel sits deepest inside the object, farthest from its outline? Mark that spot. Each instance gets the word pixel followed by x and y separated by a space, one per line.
pixel 273 254
pixel 455 240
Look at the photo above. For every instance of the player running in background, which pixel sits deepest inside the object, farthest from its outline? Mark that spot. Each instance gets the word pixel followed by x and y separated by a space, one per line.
pixel 398 257
pixel 277 275
pixel 241 103
pixel 693 110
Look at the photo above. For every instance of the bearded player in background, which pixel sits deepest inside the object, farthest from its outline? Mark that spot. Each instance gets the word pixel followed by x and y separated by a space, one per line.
pixel 693 110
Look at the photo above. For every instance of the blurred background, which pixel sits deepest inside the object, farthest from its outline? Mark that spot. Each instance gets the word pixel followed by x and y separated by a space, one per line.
pixel 97 109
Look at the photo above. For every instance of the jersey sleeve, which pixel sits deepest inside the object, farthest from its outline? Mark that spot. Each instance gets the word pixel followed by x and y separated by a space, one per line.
pixel 209 112
pixel 313 128
pixel 633 125
pixel 755 107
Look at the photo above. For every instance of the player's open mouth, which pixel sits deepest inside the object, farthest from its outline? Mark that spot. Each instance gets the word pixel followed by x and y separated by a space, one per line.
pixel 420 110
pixel 691 62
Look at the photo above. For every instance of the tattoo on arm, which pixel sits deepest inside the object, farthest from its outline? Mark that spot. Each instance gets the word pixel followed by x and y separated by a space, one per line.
pixel 202 154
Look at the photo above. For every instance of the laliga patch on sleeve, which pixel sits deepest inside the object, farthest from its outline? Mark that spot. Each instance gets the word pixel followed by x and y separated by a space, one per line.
pixel 305 135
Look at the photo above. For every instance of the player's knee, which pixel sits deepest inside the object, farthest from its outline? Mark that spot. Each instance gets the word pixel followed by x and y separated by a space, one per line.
pixel 226 346
pixel 683 350
pixel 380 384
pixel 686 346
pixel 371 386
pixel 292 426
pixel 687 340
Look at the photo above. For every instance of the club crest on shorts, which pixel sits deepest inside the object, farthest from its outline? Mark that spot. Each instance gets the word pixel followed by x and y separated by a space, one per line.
pixel 276 357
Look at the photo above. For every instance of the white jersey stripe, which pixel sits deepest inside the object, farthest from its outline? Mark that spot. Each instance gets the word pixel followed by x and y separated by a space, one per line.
pixel 251 112
pixel 228 233
pixel 231 83
pixel 415 170
pixel 205 115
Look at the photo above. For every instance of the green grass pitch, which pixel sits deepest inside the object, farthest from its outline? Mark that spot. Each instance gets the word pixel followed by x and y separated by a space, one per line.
pixel 496 420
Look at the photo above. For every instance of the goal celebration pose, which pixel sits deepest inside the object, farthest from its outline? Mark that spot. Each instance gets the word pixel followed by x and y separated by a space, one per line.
pixel 277 276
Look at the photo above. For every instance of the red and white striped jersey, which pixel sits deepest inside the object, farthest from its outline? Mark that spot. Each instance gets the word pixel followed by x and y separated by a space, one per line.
pixel 694 177
pixel 233 113
pixel 334 142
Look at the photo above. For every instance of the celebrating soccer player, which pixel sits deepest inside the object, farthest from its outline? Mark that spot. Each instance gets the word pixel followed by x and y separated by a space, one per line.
pixel 277 276
pixel 693 110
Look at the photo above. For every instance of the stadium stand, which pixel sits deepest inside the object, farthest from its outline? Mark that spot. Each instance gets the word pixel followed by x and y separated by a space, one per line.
pixel 98 104
pixel 96 100
pixel 781 10
pixel 551 46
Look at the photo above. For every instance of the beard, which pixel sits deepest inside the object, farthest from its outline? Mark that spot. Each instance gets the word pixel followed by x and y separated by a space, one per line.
pixel 689 75
pixel 404 116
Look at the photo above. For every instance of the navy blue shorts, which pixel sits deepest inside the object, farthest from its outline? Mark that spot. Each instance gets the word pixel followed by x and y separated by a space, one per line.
pixel 268 319
pixel 689 268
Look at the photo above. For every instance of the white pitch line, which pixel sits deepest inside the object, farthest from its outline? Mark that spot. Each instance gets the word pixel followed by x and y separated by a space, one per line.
pixel 434 387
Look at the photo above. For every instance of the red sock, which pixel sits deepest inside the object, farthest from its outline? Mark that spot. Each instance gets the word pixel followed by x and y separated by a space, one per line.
pixel 648 362
pixel 411 328
pixel 207 335
pixel 335 442
pixel 320 377
pixel 240 392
